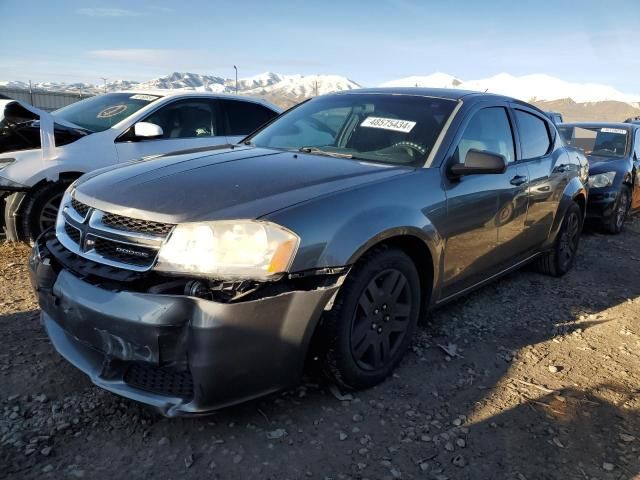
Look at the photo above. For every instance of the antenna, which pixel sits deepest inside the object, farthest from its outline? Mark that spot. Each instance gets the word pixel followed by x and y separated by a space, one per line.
pixel 104 79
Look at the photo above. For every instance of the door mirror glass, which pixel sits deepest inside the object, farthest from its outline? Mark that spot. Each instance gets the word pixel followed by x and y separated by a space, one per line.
pixel 479 162
pixel 147 130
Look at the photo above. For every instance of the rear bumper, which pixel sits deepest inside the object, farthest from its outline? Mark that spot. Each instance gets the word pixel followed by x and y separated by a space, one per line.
pixel 182 355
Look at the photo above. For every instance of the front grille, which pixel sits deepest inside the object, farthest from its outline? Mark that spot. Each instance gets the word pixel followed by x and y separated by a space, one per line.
pixel 85 267
pixel 135 225
pixel 80 208
pixel 73 232
pixel 160 380
pixel 125 253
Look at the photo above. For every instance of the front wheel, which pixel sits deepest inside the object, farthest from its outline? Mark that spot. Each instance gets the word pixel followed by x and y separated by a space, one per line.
pixel 620 211
pixel 40 210
pixel 373 319
pixel 561 257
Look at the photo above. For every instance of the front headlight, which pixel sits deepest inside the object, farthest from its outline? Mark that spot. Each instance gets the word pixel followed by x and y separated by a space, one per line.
pixel 602 180
pixel 229 249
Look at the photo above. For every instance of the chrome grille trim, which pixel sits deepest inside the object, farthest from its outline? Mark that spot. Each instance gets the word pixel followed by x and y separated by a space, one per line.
pixel 91 227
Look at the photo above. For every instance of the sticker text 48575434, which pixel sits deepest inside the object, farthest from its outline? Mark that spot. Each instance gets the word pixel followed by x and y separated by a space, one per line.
pixel 394 124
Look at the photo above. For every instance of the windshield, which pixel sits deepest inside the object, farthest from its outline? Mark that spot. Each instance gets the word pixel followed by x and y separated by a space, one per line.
pixel 600 141
pixel 104 111
pixel 392 129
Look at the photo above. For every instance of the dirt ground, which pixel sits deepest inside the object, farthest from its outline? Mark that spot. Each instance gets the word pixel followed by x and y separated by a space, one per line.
pixel 541 381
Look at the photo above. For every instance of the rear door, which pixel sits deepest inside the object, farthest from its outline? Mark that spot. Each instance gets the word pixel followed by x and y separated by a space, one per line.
pixel 240 118
pixel 186 123
pixel 547 169
pixel 478 205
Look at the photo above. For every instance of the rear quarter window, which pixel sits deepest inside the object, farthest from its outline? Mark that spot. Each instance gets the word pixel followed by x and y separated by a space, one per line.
pixel 242 118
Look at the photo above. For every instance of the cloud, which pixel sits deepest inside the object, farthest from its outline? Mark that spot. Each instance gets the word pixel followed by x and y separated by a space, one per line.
pixel 108 12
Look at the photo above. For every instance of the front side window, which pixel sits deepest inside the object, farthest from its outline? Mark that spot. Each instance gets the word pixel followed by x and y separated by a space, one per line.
pixel 391 129
pixel 489 130
pixel 637 150
pixel 104 111
pixel 242 118
pixel 534 135
pixel 186 119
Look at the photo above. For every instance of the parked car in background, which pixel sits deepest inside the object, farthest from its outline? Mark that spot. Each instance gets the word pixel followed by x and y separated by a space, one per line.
pixel 42 153
pixel 633 120
pixel 613 151
pixel 555 117
pixel 195 281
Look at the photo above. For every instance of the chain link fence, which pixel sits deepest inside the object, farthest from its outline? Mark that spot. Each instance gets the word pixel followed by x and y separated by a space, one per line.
pixel 44 100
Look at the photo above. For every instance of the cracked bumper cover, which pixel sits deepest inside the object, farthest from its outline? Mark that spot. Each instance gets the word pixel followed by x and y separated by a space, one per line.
pixel 222 353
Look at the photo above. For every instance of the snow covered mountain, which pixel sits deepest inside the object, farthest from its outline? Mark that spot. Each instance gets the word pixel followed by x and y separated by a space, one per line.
pixel 537 87
pixel 290 87
pixel 287 90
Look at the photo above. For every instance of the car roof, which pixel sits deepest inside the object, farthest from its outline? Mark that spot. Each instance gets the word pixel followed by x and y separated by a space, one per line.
pixel 626 126
pixel 446 93
pixel 195 93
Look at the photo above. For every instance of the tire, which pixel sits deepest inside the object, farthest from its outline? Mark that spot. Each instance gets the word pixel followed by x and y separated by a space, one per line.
pixel 560 259
pixel 615 224
pixel 372 322
pixel 39 210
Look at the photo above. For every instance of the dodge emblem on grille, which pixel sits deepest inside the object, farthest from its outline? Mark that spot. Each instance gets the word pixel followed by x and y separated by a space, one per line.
pixel 128 251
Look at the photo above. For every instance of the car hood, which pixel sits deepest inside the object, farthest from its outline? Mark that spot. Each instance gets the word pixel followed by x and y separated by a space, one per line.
pixel 598 164
pixel 240 182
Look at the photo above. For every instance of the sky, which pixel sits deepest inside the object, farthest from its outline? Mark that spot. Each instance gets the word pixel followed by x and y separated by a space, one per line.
pixel 367 41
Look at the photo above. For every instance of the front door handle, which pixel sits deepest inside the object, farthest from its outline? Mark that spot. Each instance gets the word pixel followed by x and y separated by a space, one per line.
pixel 518 180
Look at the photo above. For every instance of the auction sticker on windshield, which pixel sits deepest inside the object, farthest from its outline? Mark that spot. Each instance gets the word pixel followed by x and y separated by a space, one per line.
pixel 148 98
pixel 394 124
pixel 614 130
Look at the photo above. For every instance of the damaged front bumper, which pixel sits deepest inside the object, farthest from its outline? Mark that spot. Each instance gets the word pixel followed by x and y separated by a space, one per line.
pixel 180 354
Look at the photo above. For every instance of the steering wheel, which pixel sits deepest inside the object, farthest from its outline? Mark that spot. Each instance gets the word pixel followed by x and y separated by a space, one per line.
pixel 411 148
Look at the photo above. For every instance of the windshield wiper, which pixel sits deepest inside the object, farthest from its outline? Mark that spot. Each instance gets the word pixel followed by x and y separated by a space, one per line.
pixel 319 151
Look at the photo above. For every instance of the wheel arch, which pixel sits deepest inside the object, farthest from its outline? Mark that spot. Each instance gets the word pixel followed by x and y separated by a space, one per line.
pixel 574 192
pixel 15 203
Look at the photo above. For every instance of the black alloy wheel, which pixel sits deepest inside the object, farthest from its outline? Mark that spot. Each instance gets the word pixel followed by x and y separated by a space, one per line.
pixel 569 239
pixel 370 326
pixel 381 319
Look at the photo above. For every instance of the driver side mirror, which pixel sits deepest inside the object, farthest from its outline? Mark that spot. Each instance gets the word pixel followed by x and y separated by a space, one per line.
pixel 478 162
pixel 144 130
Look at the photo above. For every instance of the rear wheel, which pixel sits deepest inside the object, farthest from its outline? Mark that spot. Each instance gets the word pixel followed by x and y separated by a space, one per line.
pixel 620 211
pixel 40 210
pixel 373 319
pixel 561 257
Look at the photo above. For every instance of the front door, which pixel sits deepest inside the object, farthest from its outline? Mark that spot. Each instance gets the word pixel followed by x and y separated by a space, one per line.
pixel 478 206
pixel 185 124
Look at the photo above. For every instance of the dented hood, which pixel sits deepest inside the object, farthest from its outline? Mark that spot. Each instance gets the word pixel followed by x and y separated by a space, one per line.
pixel 243 182
pixel 14 113
pixel 24 127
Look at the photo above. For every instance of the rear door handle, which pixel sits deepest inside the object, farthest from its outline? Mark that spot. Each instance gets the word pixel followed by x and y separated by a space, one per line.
pixel 518 180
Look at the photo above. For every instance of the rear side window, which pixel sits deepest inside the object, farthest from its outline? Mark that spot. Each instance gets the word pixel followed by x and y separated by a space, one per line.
pixel 534 135
pixel 637 149
pixel 488 131
pixel 242 118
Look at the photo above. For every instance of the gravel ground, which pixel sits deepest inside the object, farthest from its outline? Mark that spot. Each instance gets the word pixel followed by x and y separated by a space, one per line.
pixel 529 378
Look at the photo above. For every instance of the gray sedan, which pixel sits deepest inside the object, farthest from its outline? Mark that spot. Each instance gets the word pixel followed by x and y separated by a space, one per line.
pixel 199 280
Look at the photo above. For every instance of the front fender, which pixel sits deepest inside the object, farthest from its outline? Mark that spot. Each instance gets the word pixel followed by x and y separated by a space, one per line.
pixel 336 230
pixel 572 192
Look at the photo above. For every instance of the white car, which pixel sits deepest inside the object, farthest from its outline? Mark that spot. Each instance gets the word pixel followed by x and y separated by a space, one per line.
pixel 42 153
